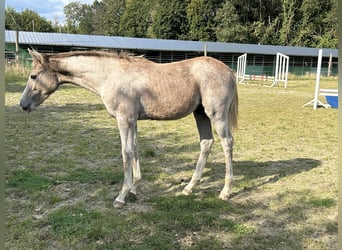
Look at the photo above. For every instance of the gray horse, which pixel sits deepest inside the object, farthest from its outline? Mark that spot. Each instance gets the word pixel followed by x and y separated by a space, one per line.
pixel 134 88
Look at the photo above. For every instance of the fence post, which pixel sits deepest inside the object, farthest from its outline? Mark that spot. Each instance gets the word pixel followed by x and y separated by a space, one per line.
pixel 17 46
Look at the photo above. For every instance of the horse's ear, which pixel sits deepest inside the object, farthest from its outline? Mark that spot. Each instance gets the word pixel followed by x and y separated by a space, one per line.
pixel 36 56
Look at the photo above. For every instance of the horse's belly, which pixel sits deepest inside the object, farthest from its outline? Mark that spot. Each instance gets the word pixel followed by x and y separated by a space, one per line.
pixel 166 108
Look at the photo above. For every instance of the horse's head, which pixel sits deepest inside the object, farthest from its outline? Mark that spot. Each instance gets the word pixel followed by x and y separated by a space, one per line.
pixel 41 84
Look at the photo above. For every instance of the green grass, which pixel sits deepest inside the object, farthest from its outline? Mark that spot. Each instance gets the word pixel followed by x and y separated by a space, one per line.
pixel 73 222
pixel 26 180
pixel 322 202
pixel 64 169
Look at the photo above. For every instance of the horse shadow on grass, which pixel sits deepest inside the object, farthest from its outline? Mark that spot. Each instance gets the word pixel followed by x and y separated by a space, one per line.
pixel 248 175
pixel 272 225
pixel 270 171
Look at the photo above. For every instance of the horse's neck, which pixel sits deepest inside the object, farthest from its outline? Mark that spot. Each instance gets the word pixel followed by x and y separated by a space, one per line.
pixel 81 71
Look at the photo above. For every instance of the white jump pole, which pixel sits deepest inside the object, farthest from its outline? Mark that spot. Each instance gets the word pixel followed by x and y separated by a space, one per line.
pixel 318 78
pixel 241 68
pixel 316 101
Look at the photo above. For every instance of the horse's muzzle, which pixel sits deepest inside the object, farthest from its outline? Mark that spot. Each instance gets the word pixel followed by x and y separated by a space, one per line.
pixel 26 107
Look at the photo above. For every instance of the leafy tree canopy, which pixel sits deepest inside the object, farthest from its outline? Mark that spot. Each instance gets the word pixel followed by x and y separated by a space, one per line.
pixel 27 20
pixel 310 23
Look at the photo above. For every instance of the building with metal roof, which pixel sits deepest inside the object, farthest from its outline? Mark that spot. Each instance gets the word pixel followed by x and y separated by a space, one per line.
pixel 261 58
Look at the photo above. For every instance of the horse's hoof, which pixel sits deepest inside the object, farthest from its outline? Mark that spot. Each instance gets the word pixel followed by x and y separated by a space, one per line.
pixel 118 204
pixel 186 191
pixel 224 197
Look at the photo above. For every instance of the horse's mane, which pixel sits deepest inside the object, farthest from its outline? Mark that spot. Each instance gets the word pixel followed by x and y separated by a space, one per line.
pixel 52 60
pixel 96 53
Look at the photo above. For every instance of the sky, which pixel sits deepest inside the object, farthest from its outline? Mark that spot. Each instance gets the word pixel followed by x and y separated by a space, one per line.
pixel 45 8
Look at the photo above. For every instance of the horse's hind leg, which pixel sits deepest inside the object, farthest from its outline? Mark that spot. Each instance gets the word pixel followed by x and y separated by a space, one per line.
pixel 206 141
pixel 221 126
pixel 136 164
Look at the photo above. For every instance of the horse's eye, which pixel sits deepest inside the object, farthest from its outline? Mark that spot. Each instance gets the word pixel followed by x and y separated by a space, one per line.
pixel 33 77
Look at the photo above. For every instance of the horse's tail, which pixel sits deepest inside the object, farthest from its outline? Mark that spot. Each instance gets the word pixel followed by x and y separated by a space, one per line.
pixel 233 112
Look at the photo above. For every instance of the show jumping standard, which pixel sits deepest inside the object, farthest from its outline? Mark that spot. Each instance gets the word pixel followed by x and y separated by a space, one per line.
pixel 134 88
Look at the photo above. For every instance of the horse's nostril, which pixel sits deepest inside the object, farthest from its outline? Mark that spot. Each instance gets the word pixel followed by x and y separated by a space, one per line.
pixel 25 108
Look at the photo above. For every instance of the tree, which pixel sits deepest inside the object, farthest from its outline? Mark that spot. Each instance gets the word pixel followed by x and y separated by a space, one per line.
pixel 78 18
pixel 11 18
pixel 229 28
pixel 329 22
pixel 310 23
pixel 289 18
pixel 201 18
pixel 98 22
pixel 27 20
pixel 266 28
pixel 312 27
pixel 136 19
pixel 86 23
pixel 169 19
pixel 107 15
pixel 248 21
pixel 266 33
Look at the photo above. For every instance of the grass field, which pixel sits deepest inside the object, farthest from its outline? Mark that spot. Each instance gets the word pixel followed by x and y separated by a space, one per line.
pixel 64 169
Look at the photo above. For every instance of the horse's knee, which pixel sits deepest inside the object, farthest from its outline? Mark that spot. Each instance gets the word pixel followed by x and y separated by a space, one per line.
pixel 206 145
pixel 127 155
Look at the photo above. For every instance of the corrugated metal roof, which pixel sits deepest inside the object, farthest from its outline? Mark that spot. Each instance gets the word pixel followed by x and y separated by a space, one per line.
pixel 116 42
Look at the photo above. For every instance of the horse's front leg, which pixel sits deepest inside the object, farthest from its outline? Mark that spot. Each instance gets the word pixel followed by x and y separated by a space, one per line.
pixel 127 129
